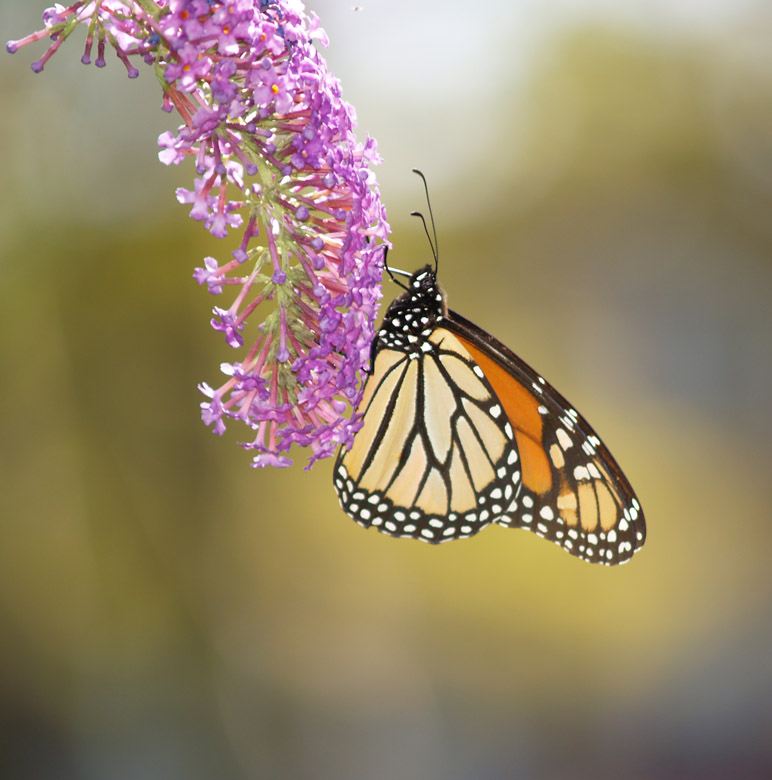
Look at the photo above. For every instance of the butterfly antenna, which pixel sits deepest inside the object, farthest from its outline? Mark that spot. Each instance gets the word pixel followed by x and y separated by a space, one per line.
pixel 435 246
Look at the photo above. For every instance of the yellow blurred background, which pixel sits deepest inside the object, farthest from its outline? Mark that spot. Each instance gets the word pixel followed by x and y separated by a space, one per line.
pixel 601 177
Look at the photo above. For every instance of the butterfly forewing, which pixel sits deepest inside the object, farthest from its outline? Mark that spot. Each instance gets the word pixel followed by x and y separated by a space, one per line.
pixel 435 458
pixel 572 490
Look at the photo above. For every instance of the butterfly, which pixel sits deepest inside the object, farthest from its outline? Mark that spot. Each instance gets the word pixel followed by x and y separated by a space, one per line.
pixel 458 432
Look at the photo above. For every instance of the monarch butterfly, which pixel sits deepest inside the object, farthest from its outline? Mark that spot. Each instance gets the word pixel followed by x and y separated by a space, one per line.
pixel 458 432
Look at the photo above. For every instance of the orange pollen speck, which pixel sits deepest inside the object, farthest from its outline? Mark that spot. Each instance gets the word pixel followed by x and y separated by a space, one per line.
pixel 275 89
pixel 226 30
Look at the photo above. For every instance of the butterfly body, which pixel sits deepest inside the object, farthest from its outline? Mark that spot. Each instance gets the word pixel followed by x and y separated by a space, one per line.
pixel 458 432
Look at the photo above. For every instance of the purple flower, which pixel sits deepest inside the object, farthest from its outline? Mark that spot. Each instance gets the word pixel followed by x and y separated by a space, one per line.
pixel 229 324
pixel 276 157
pixel 209 275
pixel 223 88
pixel 273 87
pixel 188 67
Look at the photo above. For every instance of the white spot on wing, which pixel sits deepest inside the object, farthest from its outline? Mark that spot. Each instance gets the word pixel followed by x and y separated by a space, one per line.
pixel 564 439
pixel 580 473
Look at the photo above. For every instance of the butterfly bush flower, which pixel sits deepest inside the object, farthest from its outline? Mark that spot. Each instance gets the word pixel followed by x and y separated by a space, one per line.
pixel 278 165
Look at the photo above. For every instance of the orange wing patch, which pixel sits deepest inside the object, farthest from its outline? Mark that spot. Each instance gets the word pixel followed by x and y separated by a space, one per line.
pixel 522 409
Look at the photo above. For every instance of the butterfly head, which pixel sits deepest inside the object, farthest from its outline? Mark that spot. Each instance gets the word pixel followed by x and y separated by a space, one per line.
pixel 412 317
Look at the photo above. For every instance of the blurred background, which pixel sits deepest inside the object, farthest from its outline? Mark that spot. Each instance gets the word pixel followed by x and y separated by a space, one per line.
pixel 601 175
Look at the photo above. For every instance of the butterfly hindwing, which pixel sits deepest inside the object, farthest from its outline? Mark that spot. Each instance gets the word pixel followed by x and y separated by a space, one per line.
pixel 435 458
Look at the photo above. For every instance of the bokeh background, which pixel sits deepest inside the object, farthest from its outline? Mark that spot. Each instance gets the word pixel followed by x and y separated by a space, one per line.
pixel 601 175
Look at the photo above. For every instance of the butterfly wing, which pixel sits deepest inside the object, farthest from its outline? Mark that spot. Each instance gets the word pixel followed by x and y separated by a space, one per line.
pixel 571 490
pixel 435 458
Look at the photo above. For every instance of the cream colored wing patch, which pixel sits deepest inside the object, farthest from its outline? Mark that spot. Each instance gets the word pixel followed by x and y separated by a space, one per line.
pixel 435 458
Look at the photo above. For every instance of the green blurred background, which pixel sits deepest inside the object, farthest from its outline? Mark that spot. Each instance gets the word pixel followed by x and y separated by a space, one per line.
pixel 601 176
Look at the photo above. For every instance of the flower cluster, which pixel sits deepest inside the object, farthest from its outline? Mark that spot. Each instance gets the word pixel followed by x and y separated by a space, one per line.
pixel 276 159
